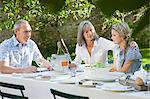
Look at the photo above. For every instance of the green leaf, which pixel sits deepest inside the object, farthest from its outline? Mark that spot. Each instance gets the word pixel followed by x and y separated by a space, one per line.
pixel 99 65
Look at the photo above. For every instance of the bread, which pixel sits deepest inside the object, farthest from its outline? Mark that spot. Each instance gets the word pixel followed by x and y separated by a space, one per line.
pixel 139 81
pixel 45 77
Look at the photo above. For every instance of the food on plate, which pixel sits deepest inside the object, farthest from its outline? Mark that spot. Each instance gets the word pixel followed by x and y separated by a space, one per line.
pixel 139 81
pixel 45 77
pixel 99 65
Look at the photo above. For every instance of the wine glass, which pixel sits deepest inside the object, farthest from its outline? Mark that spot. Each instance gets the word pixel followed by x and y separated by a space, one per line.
pixel 72 71
pixel 40 64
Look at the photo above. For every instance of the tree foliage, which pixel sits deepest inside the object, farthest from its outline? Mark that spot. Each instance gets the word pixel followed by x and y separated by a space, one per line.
pixel 40 15
pixel 108 7
pixel 46 19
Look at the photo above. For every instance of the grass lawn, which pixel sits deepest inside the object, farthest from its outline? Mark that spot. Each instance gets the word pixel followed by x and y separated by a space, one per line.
pixel 145 56
pixel 144 52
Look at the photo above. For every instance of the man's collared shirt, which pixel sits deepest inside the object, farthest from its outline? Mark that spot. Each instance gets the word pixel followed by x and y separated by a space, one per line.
pixel 19 55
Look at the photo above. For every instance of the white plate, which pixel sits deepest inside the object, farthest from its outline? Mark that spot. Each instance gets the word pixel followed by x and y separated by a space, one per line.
pixel 108 79
pixel 105 78
pixel 71 80
pixel 60 73
pixel 60 77
pixel 25 75
pixel 87 85
pixel 17 74
pixel 116 87
pixel 119 74
pixel 30 75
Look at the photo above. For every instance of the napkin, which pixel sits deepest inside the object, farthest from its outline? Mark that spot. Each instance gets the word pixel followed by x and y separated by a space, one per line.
pixel 141 73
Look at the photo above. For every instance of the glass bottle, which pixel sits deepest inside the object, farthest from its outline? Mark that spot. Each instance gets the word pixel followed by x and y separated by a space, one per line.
pixel 62 62
pixel 59 50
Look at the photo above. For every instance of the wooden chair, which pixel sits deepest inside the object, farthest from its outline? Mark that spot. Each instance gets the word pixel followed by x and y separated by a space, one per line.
pixel 66 95
pixel 12 86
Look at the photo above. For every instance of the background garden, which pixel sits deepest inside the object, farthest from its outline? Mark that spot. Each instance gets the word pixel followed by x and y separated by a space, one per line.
pixel 54 19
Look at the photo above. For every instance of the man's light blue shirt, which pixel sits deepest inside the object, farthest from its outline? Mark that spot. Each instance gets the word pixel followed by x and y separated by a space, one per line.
pixel 19 55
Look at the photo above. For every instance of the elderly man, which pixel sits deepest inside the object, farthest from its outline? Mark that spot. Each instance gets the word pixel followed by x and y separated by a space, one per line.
pixel 18 52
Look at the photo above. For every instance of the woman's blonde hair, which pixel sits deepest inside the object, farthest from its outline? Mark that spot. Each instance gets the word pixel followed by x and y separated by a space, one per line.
pixel 123 29
pixel 80 38
pixel 125 32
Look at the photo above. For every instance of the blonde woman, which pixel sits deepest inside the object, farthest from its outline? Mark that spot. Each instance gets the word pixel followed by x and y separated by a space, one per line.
pixel 126 59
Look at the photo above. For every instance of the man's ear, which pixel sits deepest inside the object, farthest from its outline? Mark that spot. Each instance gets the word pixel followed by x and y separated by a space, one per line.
pixel 16 31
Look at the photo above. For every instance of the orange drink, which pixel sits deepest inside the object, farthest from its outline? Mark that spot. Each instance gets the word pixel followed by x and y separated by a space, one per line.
pixel 64 63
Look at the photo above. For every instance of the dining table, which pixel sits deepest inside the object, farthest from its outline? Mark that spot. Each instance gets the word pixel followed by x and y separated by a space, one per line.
pixel 37 85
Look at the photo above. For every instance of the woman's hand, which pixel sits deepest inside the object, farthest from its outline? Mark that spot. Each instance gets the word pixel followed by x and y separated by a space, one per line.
pixel 133 44
pixel 113 70
pixel 72 65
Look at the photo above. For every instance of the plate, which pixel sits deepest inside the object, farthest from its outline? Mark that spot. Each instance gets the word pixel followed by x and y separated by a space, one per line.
pixel 108 79
pixel 116 87
pixel 71 80
pixel 119 74
pixel 45 78
pixel 60 77
pixel 60 73
pixel 25 75
pixel 16 74
pixel 104 78
pixel 30 75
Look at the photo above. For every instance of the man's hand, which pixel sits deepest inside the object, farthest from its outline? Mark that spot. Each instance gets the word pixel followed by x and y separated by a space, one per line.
pixel 47 64
pixel 43 62
pixel 5 68
pixel 29 69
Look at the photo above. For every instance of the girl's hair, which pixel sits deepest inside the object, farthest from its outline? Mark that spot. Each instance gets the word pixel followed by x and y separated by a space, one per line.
pixel 124 30
pixel 80 38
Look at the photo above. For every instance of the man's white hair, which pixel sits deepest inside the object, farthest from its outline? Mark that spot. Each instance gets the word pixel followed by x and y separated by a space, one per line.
pixel 18 24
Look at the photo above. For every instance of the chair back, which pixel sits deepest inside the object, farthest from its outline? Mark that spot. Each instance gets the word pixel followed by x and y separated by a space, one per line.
pixel 12 86
pixel 66 95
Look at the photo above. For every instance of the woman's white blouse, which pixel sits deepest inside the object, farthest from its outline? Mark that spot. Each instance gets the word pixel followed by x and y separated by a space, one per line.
pixel 98 54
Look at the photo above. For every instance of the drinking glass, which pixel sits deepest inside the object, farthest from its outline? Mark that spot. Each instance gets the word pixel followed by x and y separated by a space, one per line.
pixel 40 64
pixel 72 71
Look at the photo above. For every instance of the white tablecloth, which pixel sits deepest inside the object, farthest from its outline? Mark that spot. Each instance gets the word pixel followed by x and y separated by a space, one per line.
pixel 40 89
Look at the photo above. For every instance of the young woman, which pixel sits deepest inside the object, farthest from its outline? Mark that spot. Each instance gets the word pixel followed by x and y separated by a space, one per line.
pixel 126 59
